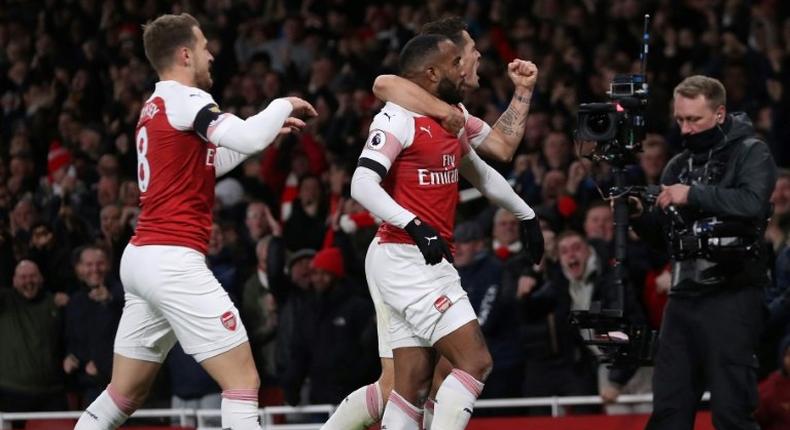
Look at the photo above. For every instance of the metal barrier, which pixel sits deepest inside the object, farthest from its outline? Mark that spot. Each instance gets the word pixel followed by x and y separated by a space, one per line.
pixel 268 413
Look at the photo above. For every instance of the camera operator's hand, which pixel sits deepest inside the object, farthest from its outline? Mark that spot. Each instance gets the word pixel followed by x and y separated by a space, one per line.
pixel 532 239
pixel 431 244
pixel 677 195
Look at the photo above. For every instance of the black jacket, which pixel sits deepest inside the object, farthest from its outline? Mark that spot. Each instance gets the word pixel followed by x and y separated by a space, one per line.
pixel 496 308
pixel 733 180
pixel 333 344
pixel 90 332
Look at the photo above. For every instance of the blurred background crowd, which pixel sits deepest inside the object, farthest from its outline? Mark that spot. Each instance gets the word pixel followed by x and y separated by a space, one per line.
pixel 288 242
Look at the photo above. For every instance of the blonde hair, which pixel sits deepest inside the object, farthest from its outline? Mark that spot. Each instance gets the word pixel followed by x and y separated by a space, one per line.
pixel 698 85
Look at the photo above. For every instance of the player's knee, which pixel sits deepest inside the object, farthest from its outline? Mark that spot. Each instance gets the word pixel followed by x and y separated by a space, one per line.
pixel 242 378
pixel 253 380
pixel 479 366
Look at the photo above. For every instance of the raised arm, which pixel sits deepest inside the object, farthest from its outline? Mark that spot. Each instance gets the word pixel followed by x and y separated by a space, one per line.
pixel 508 131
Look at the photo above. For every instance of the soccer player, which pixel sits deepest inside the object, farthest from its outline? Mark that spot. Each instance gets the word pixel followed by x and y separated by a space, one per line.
pixel 184 141
pixel 408 175
pixel 365 406
pixel 509 128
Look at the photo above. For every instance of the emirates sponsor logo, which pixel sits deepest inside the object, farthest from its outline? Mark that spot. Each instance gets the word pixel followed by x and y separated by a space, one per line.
pixel 228 320
pixel 442 304
pixel 432 177
pixel 440 177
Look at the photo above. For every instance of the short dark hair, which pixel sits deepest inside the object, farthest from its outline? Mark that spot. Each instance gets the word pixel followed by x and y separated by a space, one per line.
pixel 418 50
pixel 165 34
pixel 570 233
pixel 451 26
pixel 76 255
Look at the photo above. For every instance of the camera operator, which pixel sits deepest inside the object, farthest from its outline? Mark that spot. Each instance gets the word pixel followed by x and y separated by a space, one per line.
pixel 711 326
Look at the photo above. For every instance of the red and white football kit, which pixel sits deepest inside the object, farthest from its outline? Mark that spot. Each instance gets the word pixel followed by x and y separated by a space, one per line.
pixel 170 292
pixel 417 164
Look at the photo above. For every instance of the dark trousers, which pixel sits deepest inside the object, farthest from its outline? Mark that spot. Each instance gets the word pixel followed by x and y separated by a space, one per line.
pixel 708 341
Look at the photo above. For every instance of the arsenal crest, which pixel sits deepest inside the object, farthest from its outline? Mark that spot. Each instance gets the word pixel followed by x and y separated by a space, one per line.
pixel 228 320
pixel 442 304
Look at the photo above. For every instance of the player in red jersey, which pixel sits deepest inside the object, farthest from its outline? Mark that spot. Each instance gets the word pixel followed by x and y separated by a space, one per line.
pixel 184 141
pixel 408 175
pixel 365 406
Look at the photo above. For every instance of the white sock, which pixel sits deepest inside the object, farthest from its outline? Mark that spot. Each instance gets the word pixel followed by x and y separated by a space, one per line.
pixel 107 412
pixel 455 400
pixel 240 409
pixel 400 414
pixel 427 419
pixel 358 411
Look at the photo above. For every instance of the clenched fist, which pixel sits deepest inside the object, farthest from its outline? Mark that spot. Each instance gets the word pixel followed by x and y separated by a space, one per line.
pixel 524 74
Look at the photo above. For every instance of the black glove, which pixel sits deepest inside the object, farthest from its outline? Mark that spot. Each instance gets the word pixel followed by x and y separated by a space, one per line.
pixel 532 239
pixel 431 244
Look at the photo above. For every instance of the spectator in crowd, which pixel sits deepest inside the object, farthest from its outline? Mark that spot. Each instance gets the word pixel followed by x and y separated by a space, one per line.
pixel 773 412
pixel 584 278
pixel 114 235
pixel 778 229
pixel 219 261
pixel 31 375
pixel 305 226
pixel 92 317
pixel 259 313
pixel 496 308
pixel 331 336
pixel 258 222
pixel 292 303
pixel 505 235
pixel 654 156
pixel 55 261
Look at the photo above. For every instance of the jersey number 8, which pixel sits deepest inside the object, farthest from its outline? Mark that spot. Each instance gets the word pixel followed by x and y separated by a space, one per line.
pixel 143 168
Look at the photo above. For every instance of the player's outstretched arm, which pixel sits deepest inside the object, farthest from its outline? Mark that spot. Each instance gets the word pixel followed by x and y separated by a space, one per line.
pixel 227 158
pixel 508 131
pixel 407 94
pixel 256 132
pixel 492 185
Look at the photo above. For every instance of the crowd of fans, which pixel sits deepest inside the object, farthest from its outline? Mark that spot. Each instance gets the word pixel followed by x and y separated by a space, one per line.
pixel 288 242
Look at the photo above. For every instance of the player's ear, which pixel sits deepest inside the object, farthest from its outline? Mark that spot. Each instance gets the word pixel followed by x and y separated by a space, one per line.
pixel 432 73
pixel 184 56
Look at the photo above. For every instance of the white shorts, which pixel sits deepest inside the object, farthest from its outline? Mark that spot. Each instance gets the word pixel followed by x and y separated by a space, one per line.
pixel 416 304
pixel 171 295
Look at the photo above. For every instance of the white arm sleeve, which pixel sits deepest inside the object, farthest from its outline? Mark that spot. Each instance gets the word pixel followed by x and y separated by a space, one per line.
pixel 494 186
pixel 226 160
pixel 253 134
pixel 366 189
